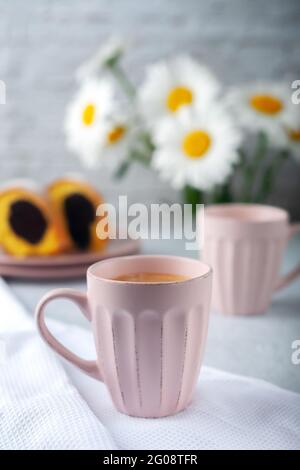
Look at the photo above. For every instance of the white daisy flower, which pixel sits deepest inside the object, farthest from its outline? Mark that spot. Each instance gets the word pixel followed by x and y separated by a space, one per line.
pixel 196 147
pixel 108 53
pixel 171 85
pixel 86 119
pixel 263 107
pixel 119 136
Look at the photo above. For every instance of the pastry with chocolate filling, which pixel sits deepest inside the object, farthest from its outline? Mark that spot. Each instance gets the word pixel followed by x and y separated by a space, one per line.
pixel 77 203
pixel 28 226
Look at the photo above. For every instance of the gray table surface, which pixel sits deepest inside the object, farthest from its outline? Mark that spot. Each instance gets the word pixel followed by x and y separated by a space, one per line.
pixel 257 346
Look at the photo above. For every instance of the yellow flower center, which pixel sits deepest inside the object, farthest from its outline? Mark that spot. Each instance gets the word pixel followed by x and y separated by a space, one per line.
pixel 266 104
pixel 178 97
pixel 196 144
pixel 294 135
pixel 88 114
pixel 116 134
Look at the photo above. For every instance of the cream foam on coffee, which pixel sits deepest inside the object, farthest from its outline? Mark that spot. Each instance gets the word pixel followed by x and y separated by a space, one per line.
pixel 151 277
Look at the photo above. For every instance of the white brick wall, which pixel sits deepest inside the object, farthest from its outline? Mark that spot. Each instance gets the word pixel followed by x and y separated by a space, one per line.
pixel 43 41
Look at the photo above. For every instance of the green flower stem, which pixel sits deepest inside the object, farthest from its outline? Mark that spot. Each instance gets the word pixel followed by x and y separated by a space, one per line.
pixel 134 156
pixel 122 79
pixel 122 170
pixel 137 155
pixel 222 194
pixel 269 177
pixel 142 156
pixel 242 163
pixel 192 196
pixel 147 141
pixel 252 168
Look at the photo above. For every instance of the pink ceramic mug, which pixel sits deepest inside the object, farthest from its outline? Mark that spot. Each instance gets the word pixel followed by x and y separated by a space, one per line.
pixel 244 244
pixel 149 338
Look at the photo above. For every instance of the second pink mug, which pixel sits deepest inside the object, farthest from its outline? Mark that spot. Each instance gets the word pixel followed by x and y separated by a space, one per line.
pixel 149 337
pixel 244 244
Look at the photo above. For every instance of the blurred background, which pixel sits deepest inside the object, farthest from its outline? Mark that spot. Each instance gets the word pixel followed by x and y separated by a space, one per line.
pixel 43 43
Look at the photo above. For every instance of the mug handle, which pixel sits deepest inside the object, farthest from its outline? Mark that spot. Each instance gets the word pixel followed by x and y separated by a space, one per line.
pixel 289 277
pixel 80 299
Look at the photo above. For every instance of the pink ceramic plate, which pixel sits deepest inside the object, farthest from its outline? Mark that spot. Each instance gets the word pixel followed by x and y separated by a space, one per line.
pixel 39 273
pixel 114 248
pixel 62 266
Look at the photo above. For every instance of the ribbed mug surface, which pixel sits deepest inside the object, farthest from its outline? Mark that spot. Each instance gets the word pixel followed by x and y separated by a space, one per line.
pixel 149 337
pixel 244 244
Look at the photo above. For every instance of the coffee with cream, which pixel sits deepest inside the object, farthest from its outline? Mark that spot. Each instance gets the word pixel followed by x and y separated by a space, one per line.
pixel 149 277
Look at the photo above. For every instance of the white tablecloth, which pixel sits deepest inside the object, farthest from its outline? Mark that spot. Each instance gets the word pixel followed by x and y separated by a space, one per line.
pixel 44 405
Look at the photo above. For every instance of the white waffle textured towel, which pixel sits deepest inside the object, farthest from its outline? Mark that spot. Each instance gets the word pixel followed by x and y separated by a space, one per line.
pixel 48 404
pixel 39 406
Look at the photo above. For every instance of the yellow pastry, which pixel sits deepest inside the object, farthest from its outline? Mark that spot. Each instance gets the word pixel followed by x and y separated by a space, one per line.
pixel 77 202
pixel 28 226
